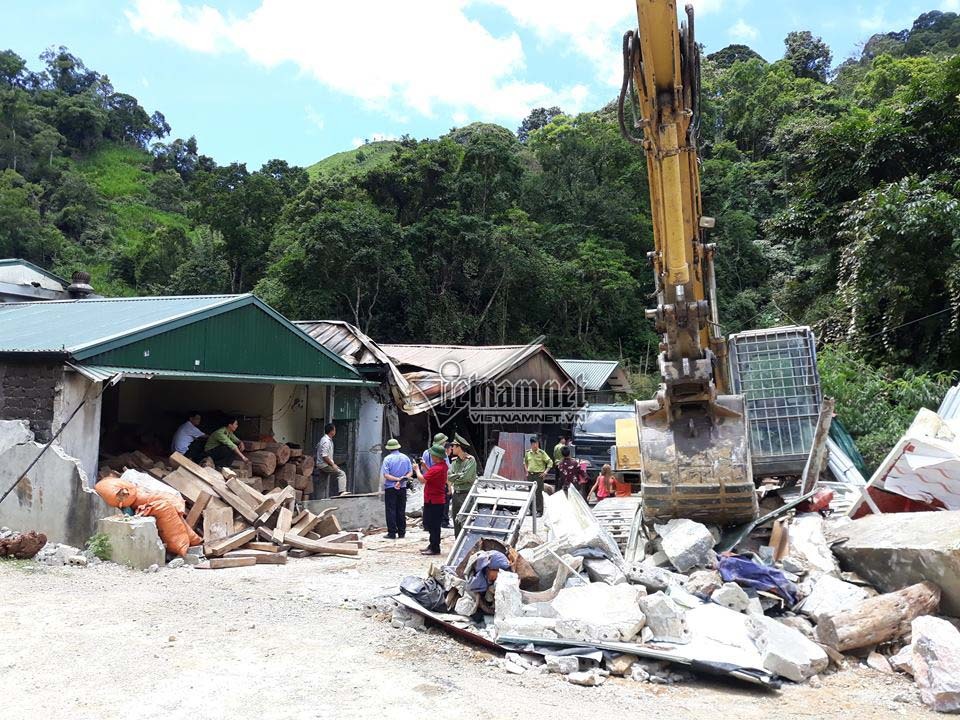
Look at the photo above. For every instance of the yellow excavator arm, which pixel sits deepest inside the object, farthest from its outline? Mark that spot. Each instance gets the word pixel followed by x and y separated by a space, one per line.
pixel 693 443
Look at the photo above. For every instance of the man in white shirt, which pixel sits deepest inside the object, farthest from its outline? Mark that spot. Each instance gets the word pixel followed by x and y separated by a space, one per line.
pixel 186 434
pixel 325 463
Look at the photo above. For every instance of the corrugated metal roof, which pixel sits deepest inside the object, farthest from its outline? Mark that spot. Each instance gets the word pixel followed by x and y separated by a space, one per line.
pixel 480 361
pixel 592 375
pixel 73 325
pixel 444 372
pixel 17 262
pixel 346 340
pixel 99 373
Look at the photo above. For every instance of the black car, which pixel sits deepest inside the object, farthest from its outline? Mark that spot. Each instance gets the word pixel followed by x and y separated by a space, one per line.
pixel 594 433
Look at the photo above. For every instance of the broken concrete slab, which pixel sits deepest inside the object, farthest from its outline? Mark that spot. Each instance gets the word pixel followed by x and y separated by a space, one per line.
pixel 51 498
pixel 936 663
pixel 809 548
pixel 606 611
pixel 621 664
pixel 878 662
pixel 665 618
pixel 831 595
pixel 798 623
pixel 587 678
pixel 653 578
pixel 702 583
pixel 602 570
pixel 903 660
pixel 786 651
pixel 687 543
pixel 134 541
pixel 508 602
pixel 14 432
pixel 562 664
pixel 896 550
pixel 732 596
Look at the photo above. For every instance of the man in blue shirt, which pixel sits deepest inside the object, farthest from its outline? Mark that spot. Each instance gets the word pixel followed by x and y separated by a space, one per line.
pixel 396 471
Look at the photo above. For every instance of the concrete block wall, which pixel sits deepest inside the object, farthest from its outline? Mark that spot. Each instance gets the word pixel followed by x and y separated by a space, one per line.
pixel 28 391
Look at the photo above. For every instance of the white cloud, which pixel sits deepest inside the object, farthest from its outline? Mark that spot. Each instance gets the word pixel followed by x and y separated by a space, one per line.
pixel 876 21
pixel 383 52
pixel 741 30
pixel 950 6
pixel 315 118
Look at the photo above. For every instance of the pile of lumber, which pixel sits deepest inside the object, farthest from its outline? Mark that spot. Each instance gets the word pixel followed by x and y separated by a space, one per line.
pixel 275 465
pixel 242 526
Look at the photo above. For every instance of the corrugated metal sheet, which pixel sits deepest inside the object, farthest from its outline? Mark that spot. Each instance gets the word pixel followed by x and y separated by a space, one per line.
pixel 444 372
pixel 593 375
pixel 346 340
pixel 72 325
pixel 98 373
pixel 23 272
pixel 950 407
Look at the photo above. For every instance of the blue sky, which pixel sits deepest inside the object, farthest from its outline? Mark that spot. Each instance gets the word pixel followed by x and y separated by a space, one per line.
pixel 302 79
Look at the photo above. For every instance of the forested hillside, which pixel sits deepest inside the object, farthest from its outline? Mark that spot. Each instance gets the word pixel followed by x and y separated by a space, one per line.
pixel 835 192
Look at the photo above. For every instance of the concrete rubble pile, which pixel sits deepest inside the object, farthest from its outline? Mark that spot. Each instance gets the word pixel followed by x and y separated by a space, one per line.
pixel 839 594
pixel 238 525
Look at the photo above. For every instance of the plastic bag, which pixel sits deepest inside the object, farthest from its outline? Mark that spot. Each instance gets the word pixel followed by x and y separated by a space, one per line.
pixel 427 592
pixel 174 532
pixel 116 492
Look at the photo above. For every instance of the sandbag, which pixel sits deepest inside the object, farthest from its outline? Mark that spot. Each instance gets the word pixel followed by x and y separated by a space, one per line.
pixel 174 532
pixel 145 498
pixel 116 492
pixel 149 486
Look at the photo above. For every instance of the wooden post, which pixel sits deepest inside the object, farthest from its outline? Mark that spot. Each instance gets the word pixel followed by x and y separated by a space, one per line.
pixel 878 619
pixel 817 459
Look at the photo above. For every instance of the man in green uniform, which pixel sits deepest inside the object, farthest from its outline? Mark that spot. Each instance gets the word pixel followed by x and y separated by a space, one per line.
pixel 463 471
pixel 537 462
pixel 558 456
pixel 223 445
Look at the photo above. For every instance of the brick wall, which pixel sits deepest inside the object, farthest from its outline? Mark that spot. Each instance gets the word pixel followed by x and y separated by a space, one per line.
pixel 27 391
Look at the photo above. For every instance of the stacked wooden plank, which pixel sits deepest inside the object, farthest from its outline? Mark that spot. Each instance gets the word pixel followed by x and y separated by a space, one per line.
pixel 245 526
pixel 280 466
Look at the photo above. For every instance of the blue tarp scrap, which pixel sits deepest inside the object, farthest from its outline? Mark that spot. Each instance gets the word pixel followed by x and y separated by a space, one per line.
pixel 742 570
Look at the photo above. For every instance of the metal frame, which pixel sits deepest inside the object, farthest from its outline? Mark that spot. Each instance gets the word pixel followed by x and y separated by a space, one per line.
pixel 776 372
pixel 479 513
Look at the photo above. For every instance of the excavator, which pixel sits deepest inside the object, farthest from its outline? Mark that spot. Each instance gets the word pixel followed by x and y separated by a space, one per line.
pixel 690 443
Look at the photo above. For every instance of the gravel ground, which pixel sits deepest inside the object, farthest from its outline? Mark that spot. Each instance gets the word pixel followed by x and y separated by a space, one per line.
pixel 292 642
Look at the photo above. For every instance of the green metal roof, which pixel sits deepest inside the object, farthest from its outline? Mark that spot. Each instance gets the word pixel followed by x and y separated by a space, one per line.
pixel 235 335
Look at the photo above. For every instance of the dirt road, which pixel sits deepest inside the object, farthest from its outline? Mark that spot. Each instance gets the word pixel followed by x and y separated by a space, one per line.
pixel 291 641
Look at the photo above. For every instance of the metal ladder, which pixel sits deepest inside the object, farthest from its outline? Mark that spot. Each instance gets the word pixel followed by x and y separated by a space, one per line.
pixel 494 508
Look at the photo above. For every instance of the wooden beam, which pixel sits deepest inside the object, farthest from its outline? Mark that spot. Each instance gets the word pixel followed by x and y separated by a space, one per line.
pixel 245 492
pixel 221 563
pixel 817 459
pixel 321 548
pixel 262 546
pixel 259 556
pixel 191 486
pixel 328 525
pixel 305 525
pixel 283 525
pixel 217 522
pixel 198 507
pixel 220 547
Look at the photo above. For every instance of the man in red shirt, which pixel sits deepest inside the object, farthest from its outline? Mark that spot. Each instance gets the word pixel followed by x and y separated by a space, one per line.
pixel 434 497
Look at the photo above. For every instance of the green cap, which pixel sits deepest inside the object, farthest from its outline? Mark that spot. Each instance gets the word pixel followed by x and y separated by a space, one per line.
pixel 392 444
pixel 439 439
pixel 458 439
pixel 438 451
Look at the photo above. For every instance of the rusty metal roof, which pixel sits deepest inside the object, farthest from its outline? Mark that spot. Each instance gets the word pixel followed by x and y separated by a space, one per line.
pixel 346 340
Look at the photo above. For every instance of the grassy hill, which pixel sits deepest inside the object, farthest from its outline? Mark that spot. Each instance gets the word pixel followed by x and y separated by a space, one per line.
pixel 353 161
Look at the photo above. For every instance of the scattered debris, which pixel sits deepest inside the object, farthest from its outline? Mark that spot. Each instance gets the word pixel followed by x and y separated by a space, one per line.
pixel 21 546
pixel 688 544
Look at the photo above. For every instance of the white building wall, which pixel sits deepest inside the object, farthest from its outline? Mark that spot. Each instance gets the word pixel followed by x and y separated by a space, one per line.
pixel 369 449
pixel 81 438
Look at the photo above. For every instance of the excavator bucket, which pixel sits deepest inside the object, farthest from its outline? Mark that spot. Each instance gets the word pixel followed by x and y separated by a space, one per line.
pixel 697 465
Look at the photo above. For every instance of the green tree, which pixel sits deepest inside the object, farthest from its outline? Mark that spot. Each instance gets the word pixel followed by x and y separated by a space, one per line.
pixel 809 56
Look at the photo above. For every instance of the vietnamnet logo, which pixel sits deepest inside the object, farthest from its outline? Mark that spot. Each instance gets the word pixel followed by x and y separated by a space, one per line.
pixel 503 396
